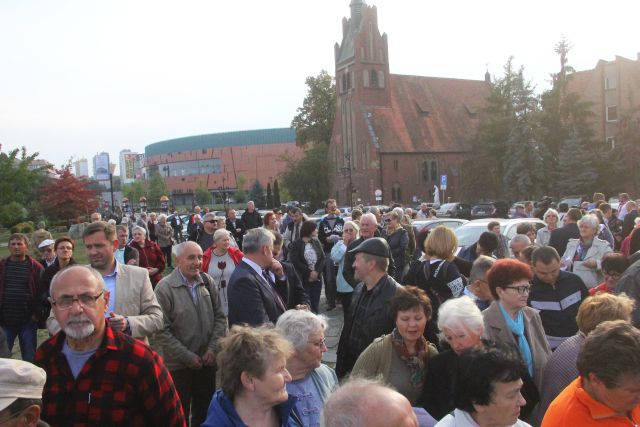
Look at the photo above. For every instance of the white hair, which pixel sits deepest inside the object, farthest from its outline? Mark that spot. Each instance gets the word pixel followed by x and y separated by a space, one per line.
pixel 255 239
pixel 297 325
pixel 162 216
pixel 138 228
pixel 548 212
pixel 221 233
pixel 350 405
pixel 460 313
pixel 180 247
pixel 521 238
pixel 111 221
pixel 591 220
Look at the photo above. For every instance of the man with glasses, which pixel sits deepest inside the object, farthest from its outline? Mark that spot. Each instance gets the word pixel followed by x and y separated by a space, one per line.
pixel 556 294
pixel 95 374
pixel 47 252
pixel 203 236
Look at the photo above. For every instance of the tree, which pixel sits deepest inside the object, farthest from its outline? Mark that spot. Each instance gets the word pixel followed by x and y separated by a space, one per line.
pixel 269 196
pixel 18 183
pixel 257 194
pixel 201 194
pixel 67 196
pixel 276 194
pixel 157 188
pixel 240 195
pixel 134 191
pixel 12 214
pixel 314 121
pixel 306 179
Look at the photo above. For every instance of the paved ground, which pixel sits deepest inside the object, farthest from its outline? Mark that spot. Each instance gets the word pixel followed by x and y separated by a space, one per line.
pixel 335 319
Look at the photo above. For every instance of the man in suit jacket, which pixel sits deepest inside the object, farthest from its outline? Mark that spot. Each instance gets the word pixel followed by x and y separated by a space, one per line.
pixel 133 307
pixel 560 236
pixel 252 293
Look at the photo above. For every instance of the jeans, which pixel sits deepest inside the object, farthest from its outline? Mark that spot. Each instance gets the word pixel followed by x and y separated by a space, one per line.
pixel 27 334
pixel 195 388
pixel 314 289
pixel 330 272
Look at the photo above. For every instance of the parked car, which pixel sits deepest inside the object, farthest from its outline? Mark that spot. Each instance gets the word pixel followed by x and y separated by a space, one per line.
pixel 614 202
pixel 470 232
pixel 420 225
pixel 573 201
pixel 454 210
pixel 490 209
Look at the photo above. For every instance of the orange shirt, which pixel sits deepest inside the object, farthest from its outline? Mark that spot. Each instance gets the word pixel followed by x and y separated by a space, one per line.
pixel 575 407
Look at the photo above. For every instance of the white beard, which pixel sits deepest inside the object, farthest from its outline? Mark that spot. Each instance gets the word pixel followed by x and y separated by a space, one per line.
pixel 79 327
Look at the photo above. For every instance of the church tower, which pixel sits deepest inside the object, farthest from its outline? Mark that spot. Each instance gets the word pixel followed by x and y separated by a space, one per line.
pixel 362 83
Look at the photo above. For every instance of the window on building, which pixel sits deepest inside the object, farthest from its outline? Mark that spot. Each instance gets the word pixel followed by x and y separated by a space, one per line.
pixel 373 78
pixel 365 78
pixel 612 113
pixel 395 165
pixel 611 142
pixel 396 194
pixel 425 171
pixel 610 83
pixel 434 171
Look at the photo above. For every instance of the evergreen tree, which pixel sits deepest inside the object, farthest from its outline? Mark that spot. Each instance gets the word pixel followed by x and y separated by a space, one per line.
pixel 18 183
pixel 240 195
pixel 269 197
pixel 257 194
pixel 276 194
pixel 202 194
pixel 133 191
pixel 306 179
pixel 157 189
pixel 576 160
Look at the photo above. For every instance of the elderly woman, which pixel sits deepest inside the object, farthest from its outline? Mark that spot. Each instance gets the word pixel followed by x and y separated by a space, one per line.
pixel 151 256
pixel 543 235
pixel 350 232
pixel 401 358
pixel 253 381
pixel 398 240
pixel 164 232
pixel 308 259
pixel 461 326
pixel 219 261
pixel 508 319
pixel 435 272
pixel 311 381
pixel 583 256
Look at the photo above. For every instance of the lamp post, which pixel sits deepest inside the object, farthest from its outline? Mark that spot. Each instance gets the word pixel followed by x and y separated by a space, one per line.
pixel 167 170
pixel 346 172
pixel 224 194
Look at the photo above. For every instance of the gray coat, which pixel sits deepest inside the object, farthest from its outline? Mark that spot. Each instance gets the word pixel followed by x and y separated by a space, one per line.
pixel 496 329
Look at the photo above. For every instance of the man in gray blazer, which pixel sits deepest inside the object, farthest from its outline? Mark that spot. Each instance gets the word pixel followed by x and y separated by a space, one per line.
pixel 133 307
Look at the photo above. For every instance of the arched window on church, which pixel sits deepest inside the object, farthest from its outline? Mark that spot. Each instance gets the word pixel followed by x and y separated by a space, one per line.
pixel 425 171
pixel 373 78
pixel 434 171
pixel 344 82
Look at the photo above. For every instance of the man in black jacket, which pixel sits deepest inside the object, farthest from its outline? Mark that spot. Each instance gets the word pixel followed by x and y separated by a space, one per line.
pixel 629 220
pixel 329 232
pixel 369 312
pixel 560 236
pixel 251 217
pixel 288 283
pixel 235 226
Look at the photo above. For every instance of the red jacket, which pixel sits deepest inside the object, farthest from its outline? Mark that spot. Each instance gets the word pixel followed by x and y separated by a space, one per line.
pixel 150 256
pixel 235 254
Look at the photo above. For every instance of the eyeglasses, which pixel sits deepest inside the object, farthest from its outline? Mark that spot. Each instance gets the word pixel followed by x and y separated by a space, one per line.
pixel 211 221
pixel 320 344
pixel 521 289
pixel 85 300
pixel 349 230
pixel 612 274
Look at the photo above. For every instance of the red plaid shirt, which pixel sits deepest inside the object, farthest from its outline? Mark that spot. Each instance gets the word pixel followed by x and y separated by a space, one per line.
pixel 123 383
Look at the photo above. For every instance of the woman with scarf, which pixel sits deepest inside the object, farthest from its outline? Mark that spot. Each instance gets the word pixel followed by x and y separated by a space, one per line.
pixel 509 320
pixel 401 358
pixel 219 261
pixel 583 256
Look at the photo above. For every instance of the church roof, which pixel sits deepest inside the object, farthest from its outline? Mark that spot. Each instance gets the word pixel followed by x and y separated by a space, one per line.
pixel 428 114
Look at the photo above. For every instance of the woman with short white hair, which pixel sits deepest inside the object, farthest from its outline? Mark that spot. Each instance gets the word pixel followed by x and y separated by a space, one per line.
pixel 311 381
pixel 583 256
pixel 219 261
pixel 550 218
pixel 461 325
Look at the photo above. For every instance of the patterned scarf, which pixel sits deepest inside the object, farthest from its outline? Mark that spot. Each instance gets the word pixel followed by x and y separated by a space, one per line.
pixel 415 362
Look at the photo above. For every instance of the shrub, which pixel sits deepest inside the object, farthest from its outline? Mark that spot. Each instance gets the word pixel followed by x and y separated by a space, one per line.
pixel 12 213
pixel 23 227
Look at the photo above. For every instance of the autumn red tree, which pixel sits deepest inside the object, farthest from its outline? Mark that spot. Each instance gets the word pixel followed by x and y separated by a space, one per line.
pixel 67 196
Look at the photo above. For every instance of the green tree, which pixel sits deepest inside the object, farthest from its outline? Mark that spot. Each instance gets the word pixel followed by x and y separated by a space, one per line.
pixel 306 179
pixel 17 182
pixel 134 190
pixel 276 194
pixel 314 121
pixel 240 195
pixel 157 188
pixel 202 194
pixel 269 196
pixel 576 161
pixel 12 214
pixel 257 194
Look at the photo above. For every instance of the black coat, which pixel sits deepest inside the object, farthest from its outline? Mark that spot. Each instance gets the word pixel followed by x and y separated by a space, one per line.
pixel 291 290
pixel 348 271
pixel 296 256
pixel 379 322
pixel 251 301
pixel 234 232
pixel 251 219
pixel 628 224
pixel 560 237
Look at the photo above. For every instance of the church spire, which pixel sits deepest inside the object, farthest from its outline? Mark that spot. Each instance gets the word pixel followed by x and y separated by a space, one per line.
pixel 356 11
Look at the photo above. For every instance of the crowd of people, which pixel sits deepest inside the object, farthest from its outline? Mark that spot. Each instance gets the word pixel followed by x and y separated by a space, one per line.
pixel 224 329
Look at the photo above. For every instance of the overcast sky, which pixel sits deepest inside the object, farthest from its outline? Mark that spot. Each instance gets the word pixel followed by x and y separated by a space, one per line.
pixel 81 77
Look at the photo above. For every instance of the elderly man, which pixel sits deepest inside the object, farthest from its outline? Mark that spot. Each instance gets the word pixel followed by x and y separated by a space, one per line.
pixel 38 237
pixel 204 235
pixel 518 244
pixel 21 385
pixel 96 217
pixel 362 402
pixel 47 252
pixel 423 213
pixel 629 220
pixel 329 232
pixel 95 374
pixel 252 292
pixel 368 228
pixel 189 337
pixel 556 295
pixel 133 308
pixel 369 313
pixel 607 392
pixel 235 226
pixel 251 217
pixel 478 289
pixel 19 299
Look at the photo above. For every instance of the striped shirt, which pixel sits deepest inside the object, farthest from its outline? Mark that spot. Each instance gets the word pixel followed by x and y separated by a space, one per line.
pixel 17 300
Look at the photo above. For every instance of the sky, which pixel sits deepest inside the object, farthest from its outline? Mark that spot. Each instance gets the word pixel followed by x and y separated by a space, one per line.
pixel 78 77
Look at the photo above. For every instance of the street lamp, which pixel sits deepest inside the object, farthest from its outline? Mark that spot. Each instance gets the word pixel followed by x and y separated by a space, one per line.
pixel 346 172
pixel 167 170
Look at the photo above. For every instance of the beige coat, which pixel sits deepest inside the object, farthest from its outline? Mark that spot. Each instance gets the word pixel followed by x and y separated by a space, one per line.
pixel 591 277
pixel 189 328
pixel 496 329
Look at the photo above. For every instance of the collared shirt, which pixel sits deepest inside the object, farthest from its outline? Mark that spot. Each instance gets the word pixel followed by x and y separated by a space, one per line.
pixel 110 286
pixel 123 383
pixel 191 285
pixel 259 269
pixel 120 255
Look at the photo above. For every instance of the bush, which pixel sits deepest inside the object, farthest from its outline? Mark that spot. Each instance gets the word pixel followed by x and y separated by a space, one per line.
pixel 12 213
pixel 23 227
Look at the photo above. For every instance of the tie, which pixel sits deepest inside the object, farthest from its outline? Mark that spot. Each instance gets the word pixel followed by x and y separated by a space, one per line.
pixel 276 295
pixel 296 232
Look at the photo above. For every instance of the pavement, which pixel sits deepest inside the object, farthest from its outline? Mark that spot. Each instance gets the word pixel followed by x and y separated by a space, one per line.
pixel 335 318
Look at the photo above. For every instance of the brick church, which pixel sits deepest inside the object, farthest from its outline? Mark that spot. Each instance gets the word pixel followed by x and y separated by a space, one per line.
pixel 395 133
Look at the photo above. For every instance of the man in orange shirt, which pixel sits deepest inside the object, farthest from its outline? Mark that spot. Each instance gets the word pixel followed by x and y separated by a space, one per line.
pixel 607 392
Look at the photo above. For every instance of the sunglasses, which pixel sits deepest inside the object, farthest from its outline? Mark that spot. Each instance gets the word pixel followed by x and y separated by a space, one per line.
pixel 211 221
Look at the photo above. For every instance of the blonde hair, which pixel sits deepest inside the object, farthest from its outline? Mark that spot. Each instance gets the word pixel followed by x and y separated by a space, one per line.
pixel 602 307
pixel 441 243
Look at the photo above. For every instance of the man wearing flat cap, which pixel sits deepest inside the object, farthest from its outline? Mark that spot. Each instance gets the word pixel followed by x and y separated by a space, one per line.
pixel 47 252
pixel 21 385
pixel 368 316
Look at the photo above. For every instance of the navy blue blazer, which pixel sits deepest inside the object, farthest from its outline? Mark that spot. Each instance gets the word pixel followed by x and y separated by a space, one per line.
pixel 250 299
